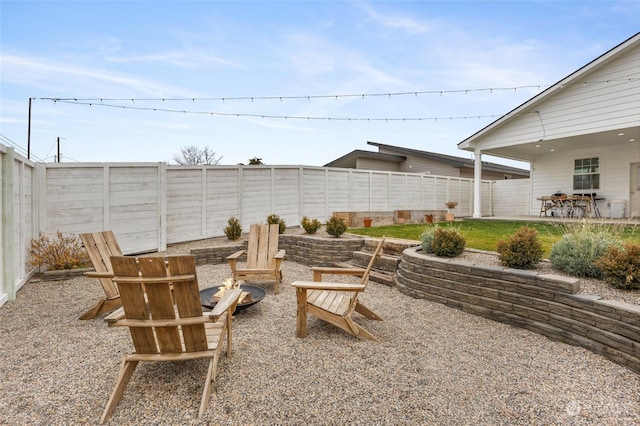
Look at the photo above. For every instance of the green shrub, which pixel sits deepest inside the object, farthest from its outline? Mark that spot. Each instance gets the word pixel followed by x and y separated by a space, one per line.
pixel 447 242
pixel 578 249
pixel 310 226
pixel 233 230
pixel 426 239
pixel 621 266
pixel 275 219
pixel 523 250
pixel 57 254
pixel 335 226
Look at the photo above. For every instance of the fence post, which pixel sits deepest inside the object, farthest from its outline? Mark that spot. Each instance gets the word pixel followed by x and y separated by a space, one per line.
pixel 162 206
pixel 8 226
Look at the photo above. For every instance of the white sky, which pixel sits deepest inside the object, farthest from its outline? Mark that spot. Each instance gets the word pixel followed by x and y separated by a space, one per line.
pixel 201 50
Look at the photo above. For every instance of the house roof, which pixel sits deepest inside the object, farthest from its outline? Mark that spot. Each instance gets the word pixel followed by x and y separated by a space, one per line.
pixel 349 160
pixel 458 162
pixel 602 60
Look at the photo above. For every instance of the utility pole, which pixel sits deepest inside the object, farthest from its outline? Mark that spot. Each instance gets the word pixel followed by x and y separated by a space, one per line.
pixel 58 157
pixel 29 133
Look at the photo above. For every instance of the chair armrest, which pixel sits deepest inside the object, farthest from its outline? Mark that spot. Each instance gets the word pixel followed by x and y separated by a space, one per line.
pixel 236 255
pixel 279 254
pixel 227 301
pixel 318 271
pixel 93 274
pixel 315 285
pixel 170 322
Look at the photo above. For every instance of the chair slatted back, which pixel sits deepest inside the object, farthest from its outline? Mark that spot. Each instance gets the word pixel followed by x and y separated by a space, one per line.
pixel 101 246
pixel 154 289
pixel 376 253
pixel 262 246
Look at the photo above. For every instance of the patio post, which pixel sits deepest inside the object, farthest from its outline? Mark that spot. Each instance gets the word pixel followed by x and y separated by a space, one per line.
pixel 477 180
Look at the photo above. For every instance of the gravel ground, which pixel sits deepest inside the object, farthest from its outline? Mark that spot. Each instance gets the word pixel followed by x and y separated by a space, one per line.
pixel 436 365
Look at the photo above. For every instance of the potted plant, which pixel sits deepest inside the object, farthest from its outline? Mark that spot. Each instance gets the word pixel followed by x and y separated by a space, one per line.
pixel 367 222
pixel 450 206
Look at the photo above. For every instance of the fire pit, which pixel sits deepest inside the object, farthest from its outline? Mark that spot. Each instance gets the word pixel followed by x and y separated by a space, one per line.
pixel 255 295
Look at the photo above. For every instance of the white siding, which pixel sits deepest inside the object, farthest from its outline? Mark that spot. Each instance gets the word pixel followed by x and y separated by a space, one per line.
pixel 606 99
pixel 554 173
pixel 512 198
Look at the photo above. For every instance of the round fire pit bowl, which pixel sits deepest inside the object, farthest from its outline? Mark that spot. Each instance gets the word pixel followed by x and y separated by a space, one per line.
pixel 257 294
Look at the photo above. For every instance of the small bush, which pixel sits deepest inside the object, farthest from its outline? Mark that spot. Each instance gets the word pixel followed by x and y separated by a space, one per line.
pixel 578 249
pixel 310 226
pixel 57 254
pixel 335 226
pixel 620 266
pixel 275 219
pixel 447 242
pixel 426 239
pixel 233 230
pixel 523 250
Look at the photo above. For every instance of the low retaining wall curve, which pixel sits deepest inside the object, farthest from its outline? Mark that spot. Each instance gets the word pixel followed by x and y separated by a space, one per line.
pixel 546 304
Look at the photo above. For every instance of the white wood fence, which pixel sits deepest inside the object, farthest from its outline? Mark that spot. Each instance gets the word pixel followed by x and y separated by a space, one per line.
pixel 149 205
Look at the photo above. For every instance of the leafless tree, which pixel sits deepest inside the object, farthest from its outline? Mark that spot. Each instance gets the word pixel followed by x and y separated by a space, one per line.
pixel 194 156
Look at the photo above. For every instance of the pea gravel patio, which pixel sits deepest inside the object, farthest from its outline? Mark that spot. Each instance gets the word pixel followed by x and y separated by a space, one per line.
pixel 435 366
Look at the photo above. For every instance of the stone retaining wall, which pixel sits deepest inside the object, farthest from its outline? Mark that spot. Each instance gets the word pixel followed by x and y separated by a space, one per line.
pixel 308 250
pixel 546 304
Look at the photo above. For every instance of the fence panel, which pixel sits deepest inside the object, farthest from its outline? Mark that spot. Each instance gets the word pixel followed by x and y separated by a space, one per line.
pixel 222 198
pixel 148 205
pixel 18 227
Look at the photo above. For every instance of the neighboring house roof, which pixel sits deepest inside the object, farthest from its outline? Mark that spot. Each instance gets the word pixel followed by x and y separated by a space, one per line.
pixel 530 105
pixel 349 160
pixel 453 161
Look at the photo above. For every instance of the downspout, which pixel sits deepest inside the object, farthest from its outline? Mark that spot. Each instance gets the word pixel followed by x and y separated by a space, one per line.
pixel 477 180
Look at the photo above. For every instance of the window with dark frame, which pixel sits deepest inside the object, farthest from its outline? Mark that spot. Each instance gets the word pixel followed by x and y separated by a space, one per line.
pixel 586 174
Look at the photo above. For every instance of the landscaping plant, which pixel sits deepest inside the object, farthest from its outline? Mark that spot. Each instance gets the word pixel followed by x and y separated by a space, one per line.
pixel 63 252
pixel 275 219
pixel 522 250
pixel 579 248
pixel 620 266
pixel 426 239
pixel 233 230
pixel 310 226
pixel 447 242
pixel 335 226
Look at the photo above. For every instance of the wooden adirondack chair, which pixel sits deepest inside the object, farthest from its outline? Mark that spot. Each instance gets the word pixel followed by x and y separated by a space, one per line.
pixel 161 307
pixel 335 302
pixel 101 246
pixel 264 260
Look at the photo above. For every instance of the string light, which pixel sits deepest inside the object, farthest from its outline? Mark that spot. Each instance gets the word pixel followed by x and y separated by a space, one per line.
pixel 137 101
pixel 307 97
pixel 286 117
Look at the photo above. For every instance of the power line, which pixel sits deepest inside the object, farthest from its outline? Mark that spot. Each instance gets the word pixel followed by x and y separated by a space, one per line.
pixel 18 148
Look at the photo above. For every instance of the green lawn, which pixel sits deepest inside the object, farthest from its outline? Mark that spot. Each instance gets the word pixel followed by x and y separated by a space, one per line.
pixel 484 234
